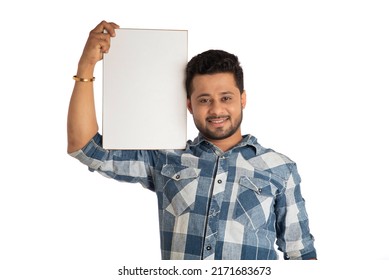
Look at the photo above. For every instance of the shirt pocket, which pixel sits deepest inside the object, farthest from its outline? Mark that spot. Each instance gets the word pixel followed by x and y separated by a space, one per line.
pixel 179 191
pixel 255 201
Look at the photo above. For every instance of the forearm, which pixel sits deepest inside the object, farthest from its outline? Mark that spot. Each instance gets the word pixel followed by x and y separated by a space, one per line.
pixel 82 123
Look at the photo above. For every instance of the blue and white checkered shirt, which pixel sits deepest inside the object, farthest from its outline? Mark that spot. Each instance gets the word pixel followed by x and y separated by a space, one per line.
pixel 212 204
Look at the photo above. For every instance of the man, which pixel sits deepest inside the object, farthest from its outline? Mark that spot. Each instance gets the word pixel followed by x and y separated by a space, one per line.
pixel 224 196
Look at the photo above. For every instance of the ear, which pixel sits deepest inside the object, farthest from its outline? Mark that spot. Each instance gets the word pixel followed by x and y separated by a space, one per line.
pixel 243 99
pixel 189 105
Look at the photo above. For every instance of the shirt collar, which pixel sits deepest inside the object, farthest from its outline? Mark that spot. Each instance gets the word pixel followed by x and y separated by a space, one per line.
pixel 247 140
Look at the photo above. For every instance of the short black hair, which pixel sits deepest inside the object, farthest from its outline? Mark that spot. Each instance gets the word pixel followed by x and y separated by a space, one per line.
pixel 212 62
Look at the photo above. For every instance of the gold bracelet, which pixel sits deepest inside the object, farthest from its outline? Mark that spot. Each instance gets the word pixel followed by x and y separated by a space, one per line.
pixel 78 79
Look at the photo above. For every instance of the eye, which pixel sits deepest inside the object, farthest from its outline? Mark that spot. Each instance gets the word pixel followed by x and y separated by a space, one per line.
pixel 226 98
pixel 204 100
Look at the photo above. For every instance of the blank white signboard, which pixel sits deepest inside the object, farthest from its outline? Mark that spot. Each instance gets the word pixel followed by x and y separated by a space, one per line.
pixel 144 98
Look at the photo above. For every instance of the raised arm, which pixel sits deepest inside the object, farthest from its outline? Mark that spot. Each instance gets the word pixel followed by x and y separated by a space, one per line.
pixel 82 123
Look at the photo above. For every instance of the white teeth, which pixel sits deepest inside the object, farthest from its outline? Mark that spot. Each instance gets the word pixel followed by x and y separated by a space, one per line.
pixel 217 120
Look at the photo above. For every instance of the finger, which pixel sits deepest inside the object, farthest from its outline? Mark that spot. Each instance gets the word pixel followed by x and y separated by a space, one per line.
pixel 114 25
pixel 104 46
pixel 97 43
pixel 100 27
pixel 103 41
pixel 109 27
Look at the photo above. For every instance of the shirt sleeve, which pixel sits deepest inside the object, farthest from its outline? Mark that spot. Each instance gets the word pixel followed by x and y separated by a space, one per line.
pixel 293 234
pixel 132 166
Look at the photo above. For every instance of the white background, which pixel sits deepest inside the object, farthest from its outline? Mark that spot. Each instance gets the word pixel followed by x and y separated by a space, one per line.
pixel 316 75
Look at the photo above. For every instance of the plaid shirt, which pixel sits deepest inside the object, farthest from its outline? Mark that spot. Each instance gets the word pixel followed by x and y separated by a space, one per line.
pixel 213 204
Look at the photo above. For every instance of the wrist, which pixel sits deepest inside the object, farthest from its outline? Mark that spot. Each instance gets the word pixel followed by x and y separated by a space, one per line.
pixel 85 69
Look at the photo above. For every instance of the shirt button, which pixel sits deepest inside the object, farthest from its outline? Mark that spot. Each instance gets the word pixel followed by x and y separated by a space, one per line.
pixel 213 213
pixel 208 247
pixel 219 181
pixel 177 177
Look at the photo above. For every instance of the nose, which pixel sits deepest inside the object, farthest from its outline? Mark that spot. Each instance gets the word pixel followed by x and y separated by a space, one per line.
pixel 217 108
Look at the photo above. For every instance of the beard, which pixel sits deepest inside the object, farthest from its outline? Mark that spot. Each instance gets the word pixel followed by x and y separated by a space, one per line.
pixel 220 133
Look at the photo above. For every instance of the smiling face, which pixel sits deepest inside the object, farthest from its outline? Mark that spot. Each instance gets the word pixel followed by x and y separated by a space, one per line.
pixel 216 105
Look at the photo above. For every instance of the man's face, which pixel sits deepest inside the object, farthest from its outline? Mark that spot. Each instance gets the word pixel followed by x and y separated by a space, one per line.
pixel 216 105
